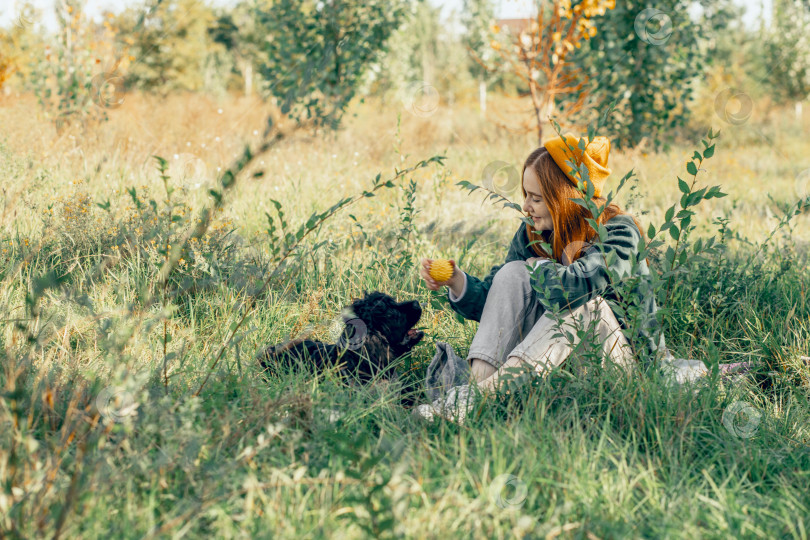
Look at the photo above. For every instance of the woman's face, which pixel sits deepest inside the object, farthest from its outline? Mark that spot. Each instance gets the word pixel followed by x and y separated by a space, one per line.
pixel 535 204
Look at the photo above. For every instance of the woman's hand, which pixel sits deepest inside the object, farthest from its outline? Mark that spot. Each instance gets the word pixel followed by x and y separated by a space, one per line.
pixel 432 284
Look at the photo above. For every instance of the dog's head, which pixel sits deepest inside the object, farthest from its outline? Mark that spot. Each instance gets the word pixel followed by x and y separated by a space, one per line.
pixel 394 320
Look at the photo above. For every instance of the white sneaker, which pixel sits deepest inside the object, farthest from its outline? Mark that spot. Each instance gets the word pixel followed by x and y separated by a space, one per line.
pixel 425 412
pixel 459 401
pixel 683 370
pixel 331 415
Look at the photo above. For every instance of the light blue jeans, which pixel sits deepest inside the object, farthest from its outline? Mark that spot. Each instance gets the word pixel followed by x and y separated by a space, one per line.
pixel 514 324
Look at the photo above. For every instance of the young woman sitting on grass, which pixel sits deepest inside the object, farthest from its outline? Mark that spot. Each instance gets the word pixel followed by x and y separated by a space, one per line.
pixel 515 329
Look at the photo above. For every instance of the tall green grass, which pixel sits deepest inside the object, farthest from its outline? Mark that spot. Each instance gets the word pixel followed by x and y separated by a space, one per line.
pixel 117 422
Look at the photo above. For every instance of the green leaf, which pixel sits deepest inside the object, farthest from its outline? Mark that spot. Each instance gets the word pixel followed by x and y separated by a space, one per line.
pixel 714 191
pixel 683 186
pixel 673 232
pixel 655 243
pixel 226 179
pixel 670 212
pixel 691 168
pixel 693 199
pixel 162 164
pixel 651 231
pixel 670 256
pixel 709 152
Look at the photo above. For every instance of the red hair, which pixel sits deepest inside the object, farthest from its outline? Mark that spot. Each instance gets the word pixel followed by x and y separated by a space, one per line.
pixel 571 233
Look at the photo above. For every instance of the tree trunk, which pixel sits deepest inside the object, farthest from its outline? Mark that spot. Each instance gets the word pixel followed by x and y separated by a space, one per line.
pixel 248 76
pixel 482 96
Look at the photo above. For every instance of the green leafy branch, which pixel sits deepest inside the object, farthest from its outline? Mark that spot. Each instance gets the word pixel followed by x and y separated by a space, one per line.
pixel 680 225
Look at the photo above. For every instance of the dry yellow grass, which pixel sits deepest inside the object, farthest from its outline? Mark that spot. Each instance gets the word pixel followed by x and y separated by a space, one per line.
pixel 200 135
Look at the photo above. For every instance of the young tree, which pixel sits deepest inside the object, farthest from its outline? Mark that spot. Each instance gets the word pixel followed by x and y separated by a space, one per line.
pixel 541 55
pixel 478 19
pixel 319 51
pixel 787 48
pixel 237 30
pixel 65 78
pixel 169 43
pixel 426 64
pixel 647 58
pixel 7 64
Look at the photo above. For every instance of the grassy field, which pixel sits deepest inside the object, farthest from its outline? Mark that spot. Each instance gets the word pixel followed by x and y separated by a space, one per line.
pixel 129 411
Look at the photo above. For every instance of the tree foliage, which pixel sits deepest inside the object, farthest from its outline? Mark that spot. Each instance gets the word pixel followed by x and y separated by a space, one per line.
pixel 478 19
pixel 321 51
pixel 169 44
pixel 647 57
pixel 787 49
pixel 65 76
pixel 545 56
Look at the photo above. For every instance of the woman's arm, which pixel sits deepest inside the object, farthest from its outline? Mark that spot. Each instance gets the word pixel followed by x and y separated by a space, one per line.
pixel 588 276
pixel 469 295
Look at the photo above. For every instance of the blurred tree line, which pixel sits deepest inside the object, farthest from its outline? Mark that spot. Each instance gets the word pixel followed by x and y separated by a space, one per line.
pixel 656 62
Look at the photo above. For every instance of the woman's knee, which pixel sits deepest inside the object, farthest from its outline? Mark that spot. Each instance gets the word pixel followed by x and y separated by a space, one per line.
pixel 603 312
pixel 511 273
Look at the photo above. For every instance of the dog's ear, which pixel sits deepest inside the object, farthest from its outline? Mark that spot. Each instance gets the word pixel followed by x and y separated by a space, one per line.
pixel 391 323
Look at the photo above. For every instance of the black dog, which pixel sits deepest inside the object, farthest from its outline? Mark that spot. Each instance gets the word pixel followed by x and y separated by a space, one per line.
pixel 380 332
